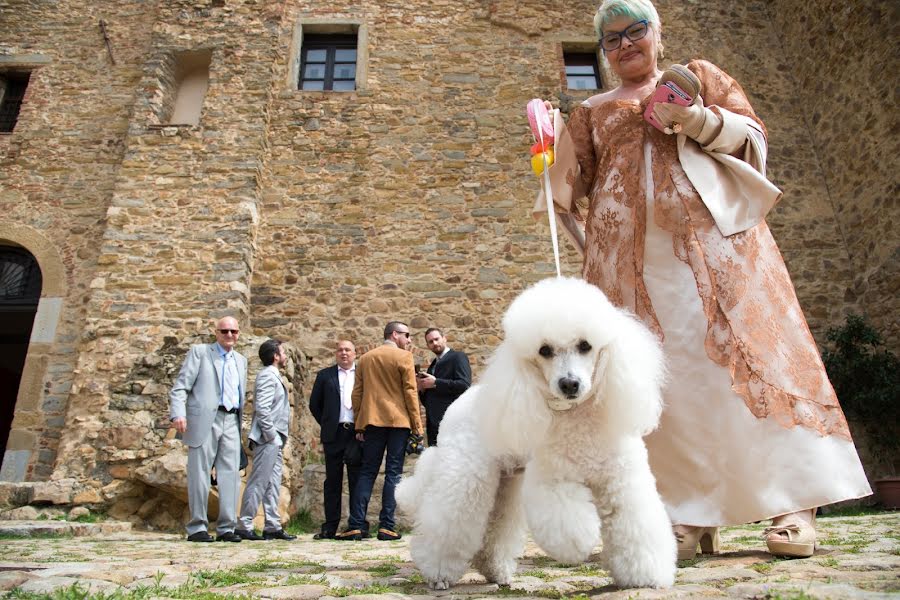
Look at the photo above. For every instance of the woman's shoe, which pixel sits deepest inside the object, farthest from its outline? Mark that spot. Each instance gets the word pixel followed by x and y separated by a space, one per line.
pixel 689 537
pixel 793 534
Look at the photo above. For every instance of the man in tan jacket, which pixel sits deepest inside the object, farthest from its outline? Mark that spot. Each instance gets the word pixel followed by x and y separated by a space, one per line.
pixel 386 407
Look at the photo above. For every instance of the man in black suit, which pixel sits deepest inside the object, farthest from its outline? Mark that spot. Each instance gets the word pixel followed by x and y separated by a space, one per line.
pixel 331 405
pixel 448 376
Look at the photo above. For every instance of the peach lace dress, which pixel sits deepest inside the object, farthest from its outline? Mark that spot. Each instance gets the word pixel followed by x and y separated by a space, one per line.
pixel 752 428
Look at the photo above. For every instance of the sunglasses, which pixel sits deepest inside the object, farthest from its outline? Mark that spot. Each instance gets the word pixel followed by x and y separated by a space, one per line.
pixel 406 333
pixel 227 331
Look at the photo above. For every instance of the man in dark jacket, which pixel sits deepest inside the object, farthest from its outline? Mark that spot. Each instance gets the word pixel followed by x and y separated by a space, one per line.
pixel 331 405
pixel 448 376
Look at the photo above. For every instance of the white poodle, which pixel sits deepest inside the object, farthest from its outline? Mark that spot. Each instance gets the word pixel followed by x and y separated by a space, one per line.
pixel 568 395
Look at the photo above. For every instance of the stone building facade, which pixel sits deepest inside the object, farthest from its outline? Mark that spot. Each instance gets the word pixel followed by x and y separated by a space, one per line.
pixel 314 215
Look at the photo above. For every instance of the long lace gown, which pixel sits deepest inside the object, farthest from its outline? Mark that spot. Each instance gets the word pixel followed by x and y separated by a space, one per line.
pixel 751 428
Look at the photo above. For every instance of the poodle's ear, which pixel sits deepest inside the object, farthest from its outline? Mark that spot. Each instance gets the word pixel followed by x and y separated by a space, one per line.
pixel 635 373
pixel 514 415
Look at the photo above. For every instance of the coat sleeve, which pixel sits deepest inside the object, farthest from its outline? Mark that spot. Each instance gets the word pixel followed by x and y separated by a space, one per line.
pixel 729 173
pixel 266 386
pixel 317 397
pixel 184 383
pixel 460 378
pixel 410 396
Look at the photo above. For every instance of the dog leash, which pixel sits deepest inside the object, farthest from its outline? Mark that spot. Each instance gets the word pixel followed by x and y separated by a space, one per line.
pixel 541 121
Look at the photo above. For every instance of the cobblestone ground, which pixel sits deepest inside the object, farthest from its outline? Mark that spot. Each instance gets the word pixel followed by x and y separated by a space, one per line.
pixel 858 557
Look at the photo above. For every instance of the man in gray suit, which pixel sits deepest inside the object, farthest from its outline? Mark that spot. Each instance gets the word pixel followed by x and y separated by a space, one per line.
pixel 268 435
pixel 205 407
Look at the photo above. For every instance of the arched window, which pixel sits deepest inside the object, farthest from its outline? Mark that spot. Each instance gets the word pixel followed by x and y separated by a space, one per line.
pixel 20 291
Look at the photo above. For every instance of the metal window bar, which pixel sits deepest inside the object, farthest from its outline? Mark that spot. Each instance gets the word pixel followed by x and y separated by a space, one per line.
pixel 331 44
pixel 20 277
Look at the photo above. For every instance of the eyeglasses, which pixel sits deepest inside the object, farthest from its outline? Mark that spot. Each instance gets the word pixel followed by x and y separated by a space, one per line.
pixel 612 40
pixel 406 333
pixel 227 331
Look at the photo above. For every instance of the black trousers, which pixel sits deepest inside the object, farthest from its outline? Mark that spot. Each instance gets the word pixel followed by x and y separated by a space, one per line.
pixel 334 478
pixel 434 414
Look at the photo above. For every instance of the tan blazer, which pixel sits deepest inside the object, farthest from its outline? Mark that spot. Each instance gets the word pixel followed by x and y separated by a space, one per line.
pixel 384 393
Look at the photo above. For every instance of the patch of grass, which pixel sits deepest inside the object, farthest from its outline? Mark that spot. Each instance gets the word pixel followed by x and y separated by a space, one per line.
pixel 510 591
pixel 589 570
pixel 762 567
pixel 374 588
pixel 274 564
pixel 207 579
pixel 77 591
pixel 787 595
pixel 36 536
pixel 536 573
pixel 416 578
pixel 89 518
pixel 385 569
pixel 689 562
pixel 305 580
pixel 301 523
pixel 542 561
pixel 745 539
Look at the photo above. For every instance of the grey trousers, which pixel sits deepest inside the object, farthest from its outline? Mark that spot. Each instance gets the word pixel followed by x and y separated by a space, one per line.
pixel 264 484
pixel 222 450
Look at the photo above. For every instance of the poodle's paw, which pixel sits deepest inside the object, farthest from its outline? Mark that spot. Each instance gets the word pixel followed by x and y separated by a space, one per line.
pixel 500 572
pixel 648 571
pixel 440 584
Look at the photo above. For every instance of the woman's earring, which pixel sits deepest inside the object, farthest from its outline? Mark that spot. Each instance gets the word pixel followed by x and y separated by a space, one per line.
pixel 660 51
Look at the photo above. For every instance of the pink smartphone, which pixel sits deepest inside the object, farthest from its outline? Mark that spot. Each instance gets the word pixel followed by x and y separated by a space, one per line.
pixel 666 92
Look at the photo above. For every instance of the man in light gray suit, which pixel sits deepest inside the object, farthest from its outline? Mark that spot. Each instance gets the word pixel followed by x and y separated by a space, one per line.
pixel 205 407
pixel 268 435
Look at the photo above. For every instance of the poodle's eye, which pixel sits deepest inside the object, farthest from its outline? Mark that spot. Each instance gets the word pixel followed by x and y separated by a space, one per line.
pixel 546 351
pixel 584 347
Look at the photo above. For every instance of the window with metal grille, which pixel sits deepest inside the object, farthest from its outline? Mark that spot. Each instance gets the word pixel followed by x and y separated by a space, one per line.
pixel 20 276
pixel 328 62
pixel 582 71
pixel 13 90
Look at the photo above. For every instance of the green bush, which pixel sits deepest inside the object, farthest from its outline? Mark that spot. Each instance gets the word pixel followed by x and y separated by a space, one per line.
pixel 865 375
pixel 866 378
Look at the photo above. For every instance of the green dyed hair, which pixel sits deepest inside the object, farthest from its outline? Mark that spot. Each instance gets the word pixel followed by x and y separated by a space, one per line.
pixel 636 9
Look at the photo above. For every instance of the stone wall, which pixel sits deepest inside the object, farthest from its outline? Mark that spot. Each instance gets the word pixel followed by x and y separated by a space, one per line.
pixel 843 65
pixel 313 216
pixel 57 173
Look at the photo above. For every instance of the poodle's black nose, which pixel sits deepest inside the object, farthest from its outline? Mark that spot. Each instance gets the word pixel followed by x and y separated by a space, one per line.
pixel 569 386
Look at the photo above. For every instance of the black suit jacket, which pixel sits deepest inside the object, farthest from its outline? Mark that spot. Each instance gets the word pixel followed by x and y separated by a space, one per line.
pixel 325 402
pixel 453 376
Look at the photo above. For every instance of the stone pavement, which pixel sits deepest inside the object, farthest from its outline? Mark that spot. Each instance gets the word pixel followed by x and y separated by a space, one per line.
pixel 858 557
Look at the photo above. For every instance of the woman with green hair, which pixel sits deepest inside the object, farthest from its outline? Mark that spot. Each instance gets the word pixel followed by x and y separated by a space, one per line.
pixel 673 229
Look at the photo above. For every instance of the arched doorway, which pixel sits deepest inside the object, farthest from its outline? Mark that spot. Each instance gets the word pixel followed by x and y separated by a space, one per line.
pixel 20 291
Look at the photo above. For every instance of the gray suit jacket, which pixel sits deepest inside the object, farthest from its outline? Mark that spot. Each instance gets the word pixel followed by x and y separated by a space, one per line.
pixel 271 410
pixel 197 389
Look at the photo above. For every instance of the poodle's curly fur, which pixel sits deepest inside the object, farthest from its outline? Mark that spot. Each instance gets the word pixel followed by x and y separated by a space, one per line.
pixel 568 395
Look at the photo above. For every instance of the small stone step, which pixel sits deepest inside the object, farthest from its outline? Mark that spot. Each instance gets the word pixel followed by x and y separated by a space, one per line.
pixel 61 528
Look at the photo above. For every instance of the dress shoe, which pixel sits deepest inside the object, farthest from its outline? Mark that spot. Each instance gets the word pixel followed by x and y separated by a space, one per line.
pixel 792 535
pixel 248 535
pixel 387 534
pixel 228 536
pixel 281 534
pixel 689 537
pixel 200 536
pixel 324 535
pixel 349 535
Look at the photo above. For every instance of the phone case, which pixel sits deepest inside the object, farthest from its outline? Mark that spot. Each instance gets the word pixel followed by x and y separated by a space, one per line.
pixel 666 92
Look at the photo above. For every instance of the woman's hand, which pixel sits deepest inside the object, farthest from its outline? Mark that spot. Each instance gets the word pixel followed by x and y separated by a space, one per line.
pixel 695 121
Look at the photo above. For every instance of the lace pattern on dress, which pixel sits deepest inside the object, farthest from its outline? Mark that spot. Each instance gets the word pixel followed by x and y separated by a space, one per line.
pixel 755 326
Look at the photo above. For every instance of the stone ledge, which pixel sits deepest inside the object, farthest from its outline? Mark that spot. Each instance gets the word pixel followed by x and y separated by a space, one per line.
pixel 27 529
